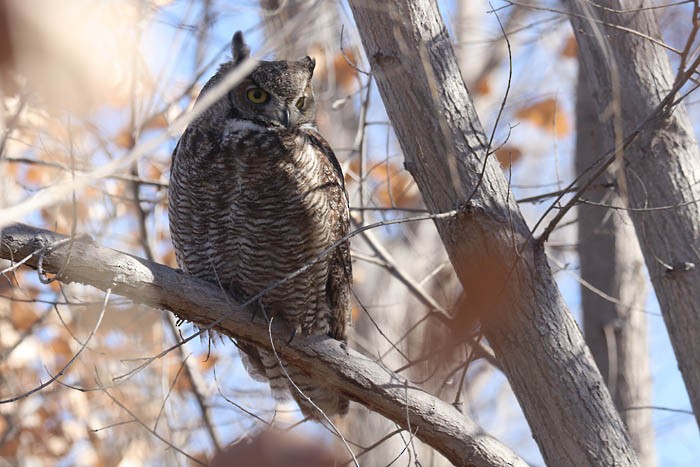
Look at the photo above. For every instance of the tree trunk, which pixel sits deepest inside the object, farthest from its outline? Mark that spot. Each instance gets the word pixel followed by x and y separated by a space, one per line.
pixel 505 275
pixel 612 263
pixel 631 75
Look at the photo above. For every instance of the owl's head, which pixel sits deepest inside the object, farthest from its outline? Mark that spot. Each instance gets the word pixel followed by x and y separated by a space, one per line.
pixel 275 94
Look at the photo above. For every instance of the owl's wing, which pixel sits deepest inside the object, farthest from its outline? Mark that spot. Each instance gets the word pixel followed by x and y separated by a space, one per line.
pixel 340 267
pixel 338 290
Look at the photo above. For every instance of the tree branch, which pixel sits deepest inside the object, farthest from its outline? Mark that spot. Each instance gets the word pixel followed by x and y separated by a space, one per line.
pixel 435 422
pixel 503 272
pixel 633 77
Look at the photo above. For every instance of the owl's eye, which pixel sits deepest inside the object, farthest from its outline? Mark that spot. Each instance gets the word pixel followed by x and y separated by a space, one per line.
pixel 257 95
pixel 300 102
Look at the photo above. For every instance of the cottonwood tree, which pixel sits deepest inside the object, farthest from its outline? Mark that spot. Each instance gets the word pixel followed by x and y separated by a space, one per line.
pixel 454 288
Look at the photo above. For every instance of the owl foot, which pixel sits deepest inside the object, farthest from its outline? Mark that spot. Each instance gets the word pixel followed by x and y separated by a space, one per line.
pixel 292 336
pixel 259 307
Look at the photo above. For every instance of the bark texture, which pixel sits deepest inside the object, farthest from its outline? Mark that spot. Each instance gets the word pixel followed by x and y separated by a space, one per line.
pixel 435 422
pixel 631 75
pixel 613 290
pixel 505 276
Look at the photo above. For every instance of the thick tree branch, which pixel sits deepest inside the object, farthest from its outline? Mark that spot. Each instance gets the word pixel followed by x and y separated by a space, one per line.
pixel 363 380
pixel 611 262
pixel 633 79
pixel 504 274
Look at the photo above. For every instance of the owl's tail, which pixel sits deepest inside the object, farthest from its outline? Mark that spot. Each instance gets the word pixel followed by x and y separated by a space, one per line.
pixel 263 365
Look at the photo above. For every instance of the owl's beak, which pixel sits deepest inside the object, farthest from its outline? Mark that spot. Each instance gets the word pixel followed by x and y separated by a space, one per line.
pixel 289 117
pixel 285 118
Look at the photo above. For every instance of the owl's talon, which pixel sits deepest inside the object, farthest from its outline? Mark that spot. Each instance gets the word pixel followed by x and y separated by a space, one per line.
pixel 291 338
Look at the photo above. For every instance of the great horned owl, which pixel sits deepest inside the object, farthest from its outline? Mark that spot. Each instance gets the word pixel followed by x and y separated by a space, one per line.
pixel 255 194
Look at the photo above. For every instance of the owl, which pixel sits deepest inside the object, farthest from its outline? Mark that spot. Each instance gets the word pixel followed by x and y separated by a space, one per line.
pixel 255 194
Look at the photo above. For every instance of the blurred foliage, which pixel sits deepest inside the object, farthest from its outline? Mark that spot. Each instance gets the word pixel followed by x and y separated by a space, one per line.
pixel 85 85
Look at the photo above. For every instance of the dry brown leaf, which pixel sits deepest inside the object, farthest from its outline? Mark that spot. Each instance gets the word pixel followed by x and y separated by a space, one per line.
pixel 207 362
pixel 168 258
pixel 11 169
pixel 10 447
pixel 125 139
pixel 4 426
pixel 60 216
pixel 276 449
pixel 398 191
pixel 483 86
pixel 355 312
pixel 507 155
pixel 396 186
pixel 352 170
pixel 344 73
pixel 547 115
pixel 60 347
pixel 570 49
pixel 391 185
pixel 154 172
pixel 156 121
pixel 22 315
pixel 37 175
pixel 182 384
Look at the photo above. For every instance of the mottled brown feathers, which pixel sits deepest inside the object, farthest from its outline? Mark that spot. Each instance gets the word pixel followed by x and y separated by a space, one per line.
pixel 256 193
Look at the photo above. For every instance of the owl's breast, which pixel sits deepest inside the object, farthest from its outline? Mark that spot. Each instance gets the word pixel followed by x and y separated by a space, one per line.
pixel 263 208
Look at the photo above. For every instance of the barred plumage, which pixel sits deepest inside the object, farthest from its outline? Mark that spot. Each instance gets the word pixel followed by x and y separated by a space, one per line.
pixel 255 194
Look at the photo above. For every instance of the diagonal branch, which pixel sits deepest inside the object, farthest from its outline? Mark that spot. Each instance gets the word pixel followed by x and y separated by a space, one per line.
pixel 435 422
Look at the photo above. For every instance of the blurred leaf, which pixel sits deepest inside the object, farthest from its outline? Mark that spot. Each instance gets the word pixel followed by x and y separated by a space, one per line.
pixel 11 169
pixel 155 122
pixel 168 258
pixel 77 54
pixel 343 72
pixel 396 187
pixel 37 175
pixel 483 86
pixel 207 361
pixel 507 155
pixel 10 447
pixel 547 115
pixel 352 170
pixel 60 347
pixel 570 49
pixel 174 368
pixel 355 312
pixel 276 449
pixel 4 426
pixel 154 172
pixel 22 315
pixel 125 139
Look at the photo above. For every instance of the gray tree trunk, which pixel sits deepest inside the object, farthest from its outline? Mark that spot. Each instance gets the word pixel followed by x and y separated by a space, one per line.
pixel 631 75
pixel 504 274
pixel 612 265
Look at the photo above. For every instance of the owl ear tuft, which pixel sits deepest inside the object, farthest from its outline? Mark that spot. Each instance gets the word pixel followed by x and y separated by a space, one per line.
pixel 310 63
pixel 240 49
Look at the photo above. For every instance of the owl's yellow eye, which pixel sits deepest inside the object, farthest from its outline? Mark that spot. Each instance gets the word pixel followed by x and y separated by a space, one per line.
pixel 257 95
pixel 300 103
